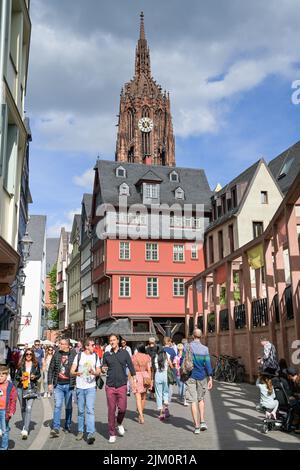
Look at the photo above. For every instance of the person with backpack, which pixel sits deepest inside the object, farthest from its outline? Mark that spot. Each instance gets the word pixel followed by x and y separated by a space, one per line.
pixel 63 383
pixel 199 380
pixel 86 367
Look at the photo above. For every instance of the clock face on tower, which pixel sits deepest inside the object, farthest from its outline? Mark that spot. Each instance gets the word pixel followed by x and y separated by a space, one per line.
pixel 145 124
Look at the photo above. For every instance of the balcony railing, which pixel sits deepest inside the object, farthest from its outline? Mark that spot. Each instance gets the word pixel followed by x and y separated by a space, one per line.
pixel 289 303
pixel 240 316
pixel 224 320
pixel 260 313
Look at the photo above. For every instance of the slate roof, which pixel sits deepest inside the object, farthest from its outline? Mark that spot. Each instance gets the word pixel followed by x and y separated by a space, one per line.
pixel 246 178
pixel 52 246
pixel 276 165
pixel 37 231
pixel 87 202
pixel 192 181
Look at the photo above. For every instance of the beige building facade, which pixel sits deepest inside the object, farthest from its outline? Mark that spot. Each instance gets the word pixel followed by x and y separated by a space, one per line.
pixel 15 31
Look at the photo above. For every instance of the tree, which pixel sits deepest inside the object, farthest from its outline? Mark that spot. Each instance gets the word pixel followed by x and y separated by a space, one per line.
pixel 53 315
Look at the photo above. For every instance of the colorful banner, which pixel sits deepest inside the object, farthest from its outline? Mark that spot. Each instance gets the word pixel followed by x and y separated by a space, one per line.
pixel 256 257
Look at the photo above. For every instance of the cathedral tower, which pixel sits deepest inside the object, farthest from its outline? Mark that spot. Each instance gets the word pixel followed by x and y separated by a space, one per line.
pixel 145 133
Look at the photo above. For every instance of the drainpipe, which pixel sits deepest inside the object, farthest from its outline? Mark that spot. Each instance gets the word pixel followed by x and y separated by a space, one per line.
pixel 3 33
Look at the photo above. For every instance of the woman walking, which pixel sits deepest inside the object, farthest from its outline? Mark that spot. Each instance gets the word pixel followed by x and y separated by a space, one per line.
pixel 162 362
pixel 26 377
pixel 142 364
pixel 181 385
pixel 46 363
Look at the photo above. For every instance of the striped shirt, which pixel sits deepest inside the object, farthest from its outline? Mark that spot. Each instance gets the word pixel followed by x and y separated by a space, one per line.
pixel 201 359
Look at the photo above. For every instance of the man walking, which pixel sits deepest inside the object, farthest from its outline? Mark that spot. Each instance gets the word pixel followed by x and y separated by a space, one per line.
pixel 199 381
pixel 59 377
pixel 86 367
pixel 115 363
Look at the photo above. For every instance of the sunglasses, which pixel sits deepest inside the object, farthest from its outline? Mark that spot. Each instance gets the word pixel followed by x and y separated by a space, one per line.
pixel 28 354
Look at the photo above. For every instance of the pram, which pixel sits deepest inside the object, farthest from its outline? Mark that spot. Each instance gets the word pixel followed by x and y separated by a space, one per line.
pixel 284 415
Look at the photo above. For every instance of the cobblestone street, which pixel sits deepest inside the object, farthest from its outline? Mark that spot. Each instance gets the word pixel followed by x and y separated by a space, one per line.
pixel 233 423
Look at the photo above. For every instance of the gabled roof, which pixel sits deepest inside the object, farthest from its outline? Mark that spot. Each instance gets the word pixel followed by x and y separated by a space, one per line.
pixel 37 231
pixel 276 165
pixel 244 178
pixel 52 246
pixel 151 177
pixel 192 181
pixel 76 224
pixel 87 202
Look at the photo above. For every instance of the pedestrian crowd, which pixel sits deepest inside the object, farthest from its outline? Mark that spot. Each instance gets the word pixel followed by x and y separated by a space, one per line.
pixel 73 374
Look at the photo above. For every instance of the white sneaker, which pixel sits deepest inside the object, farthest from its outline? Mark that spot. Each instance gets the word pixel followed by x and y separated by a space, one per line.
pixel 112 439
pixel 24 434
pixel 121 430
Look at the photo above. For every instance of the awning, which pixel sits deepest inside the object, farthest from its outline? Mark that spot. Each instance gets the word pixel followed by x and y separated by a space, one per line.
pixel 122 327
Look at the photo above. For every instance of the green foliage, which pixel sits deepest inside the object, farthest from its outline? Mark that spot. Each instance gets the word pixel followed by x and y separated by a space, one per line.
pixel 53 316
pixel 223 295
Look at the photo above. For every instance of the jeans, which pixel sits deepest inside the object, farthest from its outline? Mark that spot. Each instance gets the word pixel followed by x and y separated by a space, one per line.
pixel 4 426
pixel 26 407
pixel 181 388
pixel 86 400
pixel 161 389
pixel 62 393
pixel 116 398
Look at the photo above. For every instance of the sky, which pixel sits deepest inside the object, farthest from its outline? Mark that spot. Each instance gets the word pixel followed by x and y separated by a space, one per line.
pixel 229 67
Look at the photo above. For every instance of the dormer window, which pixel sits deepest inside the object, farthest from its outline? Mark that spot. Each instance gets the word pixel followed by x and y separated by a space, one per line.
pixel 121 172
pixel 124 190
pixel 174 178
pixel 285 169
pixel 179 193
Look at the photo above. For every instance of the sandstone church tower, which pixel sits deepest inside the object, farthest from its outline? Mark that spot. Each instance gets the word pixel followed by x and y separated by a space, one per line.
pixel 145 133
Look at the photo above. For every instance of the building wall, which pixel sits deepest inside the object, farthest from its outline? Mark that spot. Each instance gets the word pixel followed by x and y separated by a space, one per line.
pixel 226 240
pixel 165 264
pixel 253 210
pixel 13 136
pixel 32 302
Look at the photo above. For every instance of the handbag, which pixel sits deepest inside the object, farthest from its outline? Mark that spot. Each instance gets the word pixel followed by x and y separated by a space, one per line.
pixel 99 382
pixel 30 393
pixel 171 378
pixel 147 382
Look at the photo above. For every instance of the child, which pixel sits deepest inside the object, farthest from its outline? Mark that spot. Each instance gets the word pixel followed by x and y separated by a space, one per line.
pixel 267 395
pixel 8 403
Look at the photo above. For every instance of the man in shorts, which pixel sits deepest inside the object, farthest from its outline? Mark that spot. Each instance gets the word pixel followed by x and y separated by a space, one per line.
pixel 199 381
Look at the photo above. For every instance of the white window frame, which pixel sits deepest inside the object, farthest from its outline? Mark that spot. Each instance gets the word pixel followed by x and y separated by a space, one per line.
pixel 124 282
pixel 124 251
pixel 124 190
pixel 174 173
pixel 151 282
pixel 151 191
pixel 177 253
pixel 117 172
pixel 179 193
pixel 194 251
pixel 151 249
pixel 178 286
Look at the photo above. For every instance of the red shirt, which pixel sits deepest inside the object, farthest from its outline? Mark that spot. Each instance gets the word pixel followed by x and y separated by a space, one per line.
pixel 3 395
pixel 99 351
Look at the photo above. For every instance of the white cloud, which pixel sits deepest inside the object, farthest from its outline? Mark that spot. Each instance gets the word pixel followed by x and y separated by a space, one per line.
pixel 86 180
pixel 76 78
pixel 54 230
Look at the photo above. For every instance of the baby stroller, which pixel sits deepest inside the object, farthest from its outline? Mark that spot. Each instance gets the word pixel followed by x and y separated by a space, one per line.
pixel 284 413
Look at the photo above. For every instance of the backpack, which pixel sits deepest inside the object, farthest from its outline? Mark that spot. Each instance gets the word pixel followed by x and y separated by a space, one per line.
pixel 187 365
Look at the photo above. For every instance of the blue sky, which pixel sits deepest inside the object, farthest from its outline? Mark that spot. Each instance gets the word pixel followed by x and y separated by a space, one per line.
pixel 229 71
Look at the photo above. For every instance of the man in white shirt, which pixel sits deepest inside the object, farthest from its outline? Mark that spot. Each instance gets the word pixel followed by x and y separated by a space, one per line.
pixel 86 367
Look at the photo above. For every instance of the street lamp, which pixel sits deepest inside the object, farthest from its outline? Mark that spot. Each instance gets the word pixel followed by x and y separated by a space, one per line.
pixel 21 278
pixel 26 244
